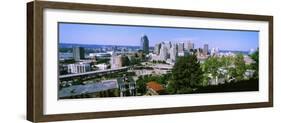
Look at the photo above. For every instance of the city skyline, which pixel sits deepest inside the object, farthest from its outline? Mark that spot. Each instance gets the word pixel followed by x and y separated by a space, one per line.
pixel 131 35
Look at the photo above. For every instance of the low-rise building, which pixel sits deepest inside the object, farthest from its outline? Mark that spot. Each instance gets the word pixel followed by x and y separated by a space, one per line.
pixel 78 68
pixel 63 69
pixel 105 88
pixel 116 61
pixel 65 56
pixel 102 66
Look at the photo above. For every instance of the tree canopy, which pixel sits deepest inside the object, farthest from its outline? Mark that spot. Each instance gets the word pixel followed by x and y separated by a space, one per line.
pixel 125 61
pixel 211 65
pixel 186 74
pixel 255 66
pixel 239 66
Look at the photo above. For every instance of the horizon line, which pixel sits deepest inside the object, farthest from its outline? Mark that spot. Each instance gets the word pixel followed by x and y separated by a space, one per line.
pixel 153 46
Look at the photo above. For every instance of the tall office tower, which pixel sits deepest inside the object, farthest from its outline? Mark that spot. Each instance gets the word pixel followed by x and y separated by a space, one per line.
pixel 144 46
pixel 157 49
pixel 170 44
pixel 190 46
pixel 180 47
pixel 163 52
pixel 185 46
pixel 78 53
pixel 173 52
pixel 205 49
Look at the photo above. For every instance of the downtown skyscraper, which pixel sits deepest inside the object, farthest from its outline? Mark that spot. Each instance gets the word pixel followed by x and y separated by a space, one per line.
pixel 144 44
pixel 78 53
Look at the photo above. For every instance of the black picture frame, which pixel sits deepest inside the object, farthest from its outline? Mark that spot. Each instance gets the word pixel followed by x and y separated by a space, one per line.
pixel 35 60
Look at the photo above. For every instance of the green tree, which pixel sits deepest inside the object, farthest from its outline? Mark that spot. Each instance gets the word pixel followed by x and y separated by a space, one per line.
pixel 101 61
pixel 226 61
pixel 211 66
pixel 240 66
pixel 125 61
pixel 186 74
pixel 65 50
pixel 141 84
pixel 206 79
pixel 255 65
pixel 67 61
pixel 134 61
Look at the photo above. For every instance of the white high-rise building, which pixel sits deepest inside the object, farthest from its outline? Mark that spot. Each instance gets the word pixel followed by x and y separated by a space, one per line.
pixel 163 53
pixel 157 49
pixel 205 49
pixel 190 46
pixel 168 45
pixel 185 45
pixel 180 47
pixel 173 52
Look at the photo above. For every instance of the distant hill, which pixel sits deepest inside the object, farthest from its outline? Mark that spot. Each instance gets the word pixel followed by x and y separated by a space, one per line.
pixel 69 45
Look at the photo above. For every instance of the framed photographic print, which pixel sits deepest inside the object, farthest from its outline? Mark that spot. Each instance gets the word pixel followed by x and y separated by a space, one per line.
pixel 90 61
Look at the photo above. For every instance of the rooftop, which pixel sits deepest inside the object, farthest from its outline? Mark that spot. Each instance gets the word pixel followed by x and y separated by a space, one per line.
pixel 88 88
pixel 155 86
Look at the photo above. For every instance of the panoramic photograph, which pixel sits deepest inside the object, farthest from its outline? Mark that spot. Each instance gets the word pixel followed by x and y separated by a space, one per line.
pixel 102 60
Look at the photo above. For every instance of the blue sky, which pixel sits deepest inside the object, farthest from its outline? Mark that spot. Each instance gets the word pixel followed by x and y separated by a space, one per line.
pixel 130 35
